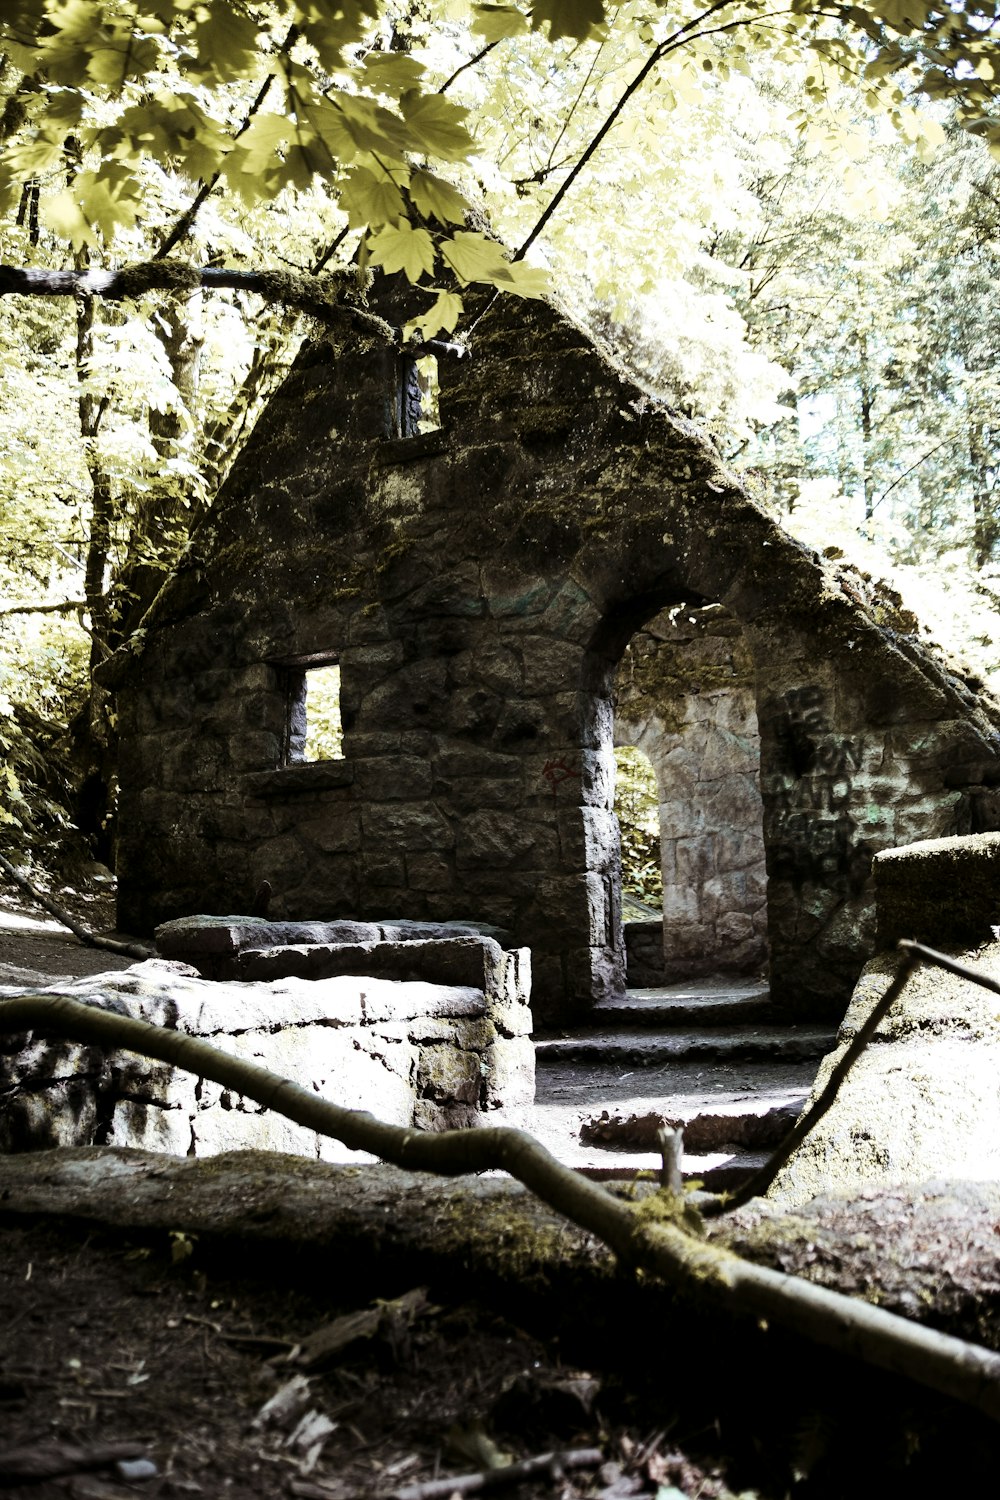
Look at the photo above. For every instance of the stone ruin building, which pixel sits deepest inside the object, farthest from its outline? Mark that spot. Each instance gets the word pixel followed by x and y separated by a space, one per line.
pixel 549 562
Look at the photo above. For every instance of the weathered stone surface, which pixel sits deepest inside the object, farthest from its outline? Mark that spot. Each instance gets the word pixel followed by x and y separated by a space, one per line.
pixel 939 890
pixel 922 1101
pixel 385 1045
pixel 479 586
pixel 214 945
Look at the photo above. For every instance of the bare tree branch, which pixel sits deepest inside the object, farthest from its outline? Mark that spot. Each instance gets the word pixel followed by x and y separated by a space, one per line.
pixel 91 939
pixel 761 1181
pixel 64 607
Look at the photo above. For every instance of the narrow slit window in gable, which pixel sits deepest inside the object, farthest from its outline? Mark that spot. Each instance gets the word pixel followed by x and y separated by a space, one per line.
pixel 419 409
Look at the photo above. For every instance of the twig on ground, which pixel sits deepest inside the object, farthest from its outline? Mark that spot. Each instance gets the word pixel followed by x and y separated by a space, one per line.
pixel 84 933
pixel 554 1465
pixel 49 1460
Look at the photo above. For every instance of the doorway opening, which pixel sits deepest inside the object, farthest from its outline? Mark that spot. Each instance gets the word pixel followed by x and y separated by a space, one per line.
pixel 685 699
pixel 637 807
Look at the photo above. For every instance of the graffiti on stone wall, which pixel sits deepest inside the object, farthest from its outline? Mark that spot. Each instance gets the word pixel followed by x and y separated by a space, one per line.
pixel 813 834
pixel 557 772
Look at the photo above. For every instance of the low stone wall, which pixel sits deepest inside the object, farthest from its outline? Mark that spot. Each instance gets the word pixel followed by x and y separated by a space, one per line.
pixel 413 1052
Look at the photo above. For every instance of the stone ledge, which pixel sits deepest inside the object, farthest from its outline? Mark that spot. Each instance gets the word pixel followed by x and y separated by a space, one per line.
pixel 311 776
pixel 406 450
pixel 939 891
pixel 213 944
pixel 412 1053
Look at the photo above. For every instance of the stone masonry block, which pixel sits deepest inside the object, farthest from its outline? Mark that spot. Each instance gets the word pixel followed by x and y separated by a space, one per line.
pixel 939 891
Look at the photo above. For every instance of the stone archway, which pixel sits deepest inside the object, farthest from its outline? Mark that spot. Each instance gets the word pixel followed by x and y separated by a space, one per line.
pixel 685 696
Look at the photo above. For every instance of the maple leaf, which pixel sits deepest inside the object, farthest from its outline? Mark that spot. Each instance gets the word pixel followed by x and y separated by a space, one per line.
pixel 400 247
pixel 574 18
pixel 435 125
pixel 443 314
pixel 473 257
pixel 437 199
pixel 495 22
pixel 370 198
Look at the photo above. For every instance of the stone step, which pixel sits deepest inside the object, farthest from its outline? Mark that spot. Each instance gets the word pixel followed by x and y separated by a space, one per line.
pixel 730 1113
pixel 647 1048
pixel 684 1006
pixel 744 1125
pixel 717 1173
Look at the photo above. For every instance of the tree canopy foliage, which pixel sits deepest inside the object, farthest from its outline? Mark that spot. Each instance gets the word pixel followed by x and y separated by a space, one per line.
pixel 119 104
pixel 785 218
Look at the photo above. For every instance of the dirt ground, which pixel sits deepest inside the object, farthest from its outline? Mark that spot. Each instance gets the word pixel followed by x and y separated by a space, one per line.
pixel 109 1342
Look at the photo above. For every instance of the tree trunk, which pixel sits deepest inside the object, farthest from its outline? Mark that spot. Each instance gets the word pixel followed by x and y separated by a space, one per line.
pixel 164 516
pixel 986 523
pixel 867 406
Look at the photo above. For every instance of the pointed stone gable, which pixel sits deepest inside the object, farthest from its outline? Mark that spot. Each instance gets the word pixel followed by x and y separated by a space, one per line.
pixel 478 584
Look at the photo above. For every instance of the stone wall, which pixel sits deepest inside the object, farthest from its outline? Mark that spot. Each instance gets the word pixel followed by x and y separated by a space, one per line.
pixel 413 1052
pixel 478 585
pixel 685 694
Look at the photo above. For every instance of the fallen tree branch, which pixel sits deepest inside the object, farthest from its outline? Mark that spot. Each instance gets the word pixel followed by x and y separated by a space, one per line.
pixel 51 1459
pixel 91 939
pixel 552 1464
pixel 64 607
pixel 761 1180
pixel 644 1235
pixel 943 961
pixel 328 296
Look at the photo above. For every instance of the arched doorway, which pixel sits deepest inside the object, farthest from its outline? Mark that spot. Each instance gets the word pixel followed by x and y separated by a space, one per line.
pixel 684 699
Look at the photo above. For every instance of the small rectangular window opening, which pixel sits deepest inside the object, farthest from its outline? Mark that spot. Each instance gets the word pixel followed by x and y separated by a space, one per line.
pixel 315 729
pixel 419 406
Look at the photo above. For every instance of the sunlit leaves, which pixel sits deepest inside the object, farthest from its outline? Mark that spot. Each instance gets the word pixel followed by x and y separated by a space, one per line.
pixel 473 257
pixel 366 124
pixel 572 18
pixel 306 97
pixel 436 126
pixel 170 126
pixel 904 16
pixel 393 72
pixel 400 247
pixel 441 317
pixel 496 22
pixel 227 41
pixel 97 204
pixel 437 199
pixel 371 198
